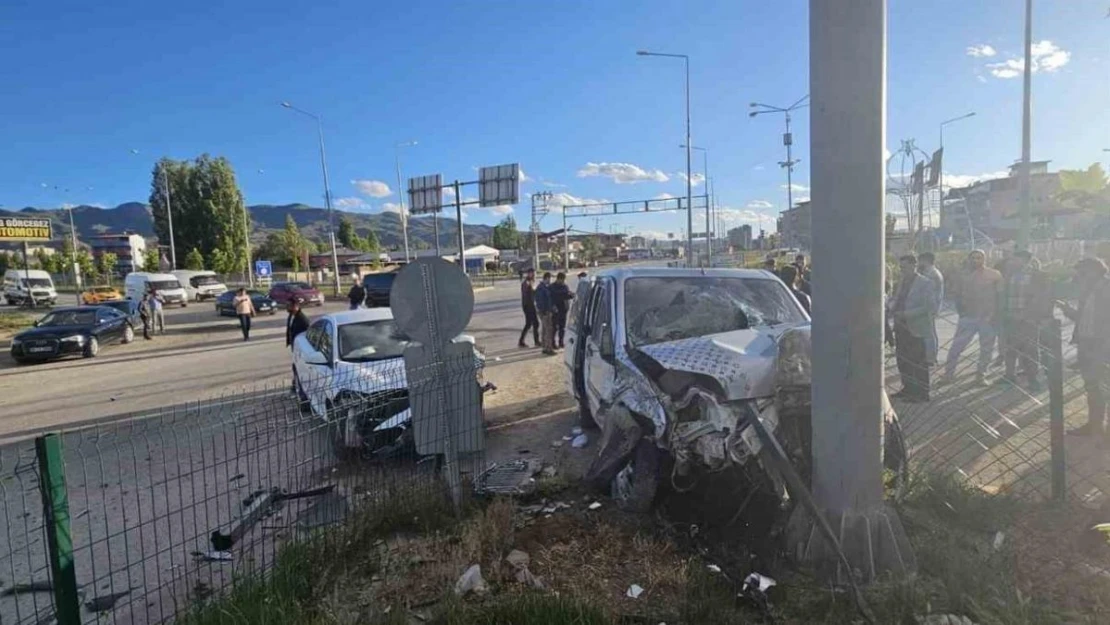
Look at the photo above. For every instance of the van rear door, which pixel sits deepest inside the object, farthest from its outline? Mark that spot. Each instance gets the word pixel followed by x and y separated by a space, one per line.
pixel 572 355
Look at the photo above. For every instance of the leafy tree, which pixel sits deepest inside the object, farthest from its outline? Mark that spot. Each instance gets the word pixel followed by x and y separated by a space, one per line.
pixel 107 264
pixel 85 262
pixel 347 235
pixel 194 260
pixel 505 234
pixel 591 249
pixel 208 208
pixel 151 259
pixel 1085 189
pixel 222 262
pixel 293 244
pixel 370 243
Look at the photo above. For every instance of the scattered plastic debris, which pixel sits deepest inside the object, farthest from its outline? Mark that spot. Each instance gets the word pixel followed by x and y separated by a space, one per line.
pixel 213 556
pixel 999 538
pixel 557 444
pixel 550 470
pixel 580 441
pixel 471 581
pixel 568 438
pixel 594 506
pixel 519 560
pixel 576 430
pixel 634 591
pixel 713 568
pixel 512 477
pixel 755 589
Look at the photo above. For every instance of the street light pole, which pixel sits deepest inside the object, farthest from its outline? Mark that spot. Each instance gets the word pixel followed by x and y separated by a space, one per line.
pixel 401 193
pixel 708 228
pixel 1026 203
pixel 787 140
pixel 327 189
pixel 169 215
pixel 940 177
pixel 689 171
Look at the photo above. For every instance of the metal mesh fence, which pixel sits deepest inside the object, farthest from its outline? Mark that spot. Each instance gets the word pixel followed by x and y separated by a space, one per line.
pixel 168 510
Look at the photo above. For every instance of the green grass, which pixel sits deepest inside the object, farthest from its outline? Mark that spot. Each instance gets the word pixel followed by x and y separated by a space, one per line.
pixel 12 321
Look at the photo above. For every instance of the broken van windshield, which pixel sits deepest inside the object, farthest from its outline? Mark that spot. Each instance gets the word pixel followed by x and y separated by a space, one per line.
pixel 680 307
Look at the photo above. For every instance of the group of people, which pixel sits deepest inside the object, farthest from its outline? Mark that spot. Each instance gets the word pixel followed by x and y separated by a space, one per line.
pixel 795 276
pixel 1011 303
pixel 152 314
pixel 545 307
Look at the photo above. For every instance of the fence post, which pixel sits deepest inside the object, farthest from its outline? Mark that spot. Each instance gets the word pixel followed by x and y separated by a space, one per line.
pixel 1055 348
pixel 55 504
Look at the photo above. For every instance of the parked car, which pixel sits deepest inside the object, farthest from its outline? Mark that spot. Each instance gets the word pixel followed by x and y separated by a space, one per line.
pixel 19 284
pixel 282 292
pixel 99 294
pixel 673 365
pixel 377 287
pixel 225 304
pixel 75 330
pixel 200 285
pixel 137 283
pixel 349 368
pixel 129 308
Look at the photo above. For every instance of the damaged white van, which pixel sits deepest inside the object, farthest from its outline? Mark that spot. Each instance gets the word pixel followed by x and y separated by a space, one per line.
pixel 674 365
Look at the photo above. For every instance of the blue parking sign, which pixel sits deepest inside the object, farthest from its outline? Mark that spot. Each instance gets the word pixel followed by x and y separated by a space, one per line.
pixel 263 268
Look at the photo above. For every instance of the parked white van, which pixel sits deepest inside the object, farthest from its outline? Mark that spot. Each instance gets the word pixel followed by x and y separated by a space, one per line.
pixel 200 285
pixel 137 283
pixel 36 283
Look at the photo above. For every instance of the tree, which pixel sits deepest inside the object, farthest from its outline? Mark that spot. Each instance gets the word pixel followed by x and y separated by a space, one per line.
pixel 505 234
pixel 1087 189
pixel 347 235
pixel 370 244
pixel 106 265
pixel 293 244
pixel 222 262
pixel 591 249
pixel 85 262
pixel 194 260
pixel 151 259
pixel 208 208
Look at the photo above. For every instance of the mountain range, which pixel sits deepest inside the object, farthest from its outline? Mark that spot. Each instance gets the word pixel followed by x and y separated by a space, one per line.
pixel 135 217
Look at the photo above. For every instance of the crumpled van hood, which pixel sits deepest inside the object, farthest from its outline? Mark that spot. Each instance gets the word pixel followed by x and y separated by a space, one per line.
pixel 742 361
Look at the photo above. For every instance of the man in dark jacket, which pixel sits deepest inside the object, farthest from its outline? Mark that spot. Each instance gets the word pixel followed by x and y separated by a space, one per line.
pixel 296 323
pixel 357 295
pixel 560 299
pixel 528 305
pixel 545 306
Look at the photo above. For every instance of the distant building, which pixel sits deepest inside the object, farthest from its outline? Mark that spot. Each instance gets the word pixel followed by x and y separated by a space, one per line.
pixel 794 227
pixel 741 238
pixel 637 241
pixel 994 208
pixel 129 249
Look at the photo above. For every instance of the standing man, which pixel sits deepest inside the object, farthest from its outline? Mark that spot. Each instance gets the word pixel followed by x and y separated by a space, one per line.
pixel 802 273
pixel 545 306
pixel 357 295
pixel 927 267
pixel 156 309
pixel 912 312
pixel 1026 304
pixel 1092 340
pixel 977 294
pixel 244 309
pixel 560 298
pixel 295 323
pixel 528 305
pixel 789 275
pixel 144 314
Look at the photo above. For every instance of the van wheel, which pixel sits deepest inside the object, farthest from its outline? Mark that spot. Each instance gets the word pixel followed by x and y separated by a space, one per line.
pixel 92 348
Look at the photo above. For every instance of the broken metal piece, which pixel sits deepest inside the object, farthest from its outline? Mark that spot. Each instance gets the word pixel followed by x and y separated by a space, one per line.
pixel 512 477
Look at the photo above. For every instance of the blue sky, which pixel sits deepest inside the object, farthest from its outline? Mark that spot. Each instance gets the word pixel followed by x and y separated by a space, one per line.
pixel 555 86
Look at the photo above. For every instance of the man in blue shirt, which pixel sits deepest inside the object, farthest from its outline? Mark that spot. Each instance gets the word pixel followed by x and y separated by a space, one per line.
pixel 545 306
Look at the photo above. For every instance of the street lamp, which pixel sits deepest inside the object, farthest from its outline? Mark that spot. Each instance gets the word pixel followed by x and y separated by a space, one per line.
pixel 169 213
pixel 401 193
pixel 705 169
pixel 689 173
pixel 787 140
pixel 327 188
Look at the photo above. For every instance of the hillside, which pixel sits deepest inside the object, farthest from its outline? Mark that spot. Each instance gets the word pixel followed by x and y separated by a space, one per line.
pixel 312 221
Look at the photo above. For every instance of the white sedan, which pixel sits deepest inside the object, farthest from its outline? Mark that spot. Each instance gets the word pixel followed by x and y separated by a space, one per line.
pixel 349 369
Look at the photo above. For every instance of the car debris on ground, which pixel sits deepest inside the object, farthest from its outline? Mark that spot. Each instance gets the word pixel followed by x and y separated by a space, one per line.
pixel 471 581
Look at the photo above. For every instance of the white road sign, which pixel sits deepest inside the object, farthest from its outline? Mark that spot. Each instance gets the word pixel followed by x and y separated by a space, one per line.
pixel 425 194
pixel 499 185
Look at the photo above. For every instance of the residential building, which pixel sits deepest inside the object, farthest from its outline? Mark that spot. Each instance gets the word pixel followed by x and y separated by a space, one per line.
pixel 994 208
pixel 794 226
pixel 637 241
pixel 129 249
pixel 741 238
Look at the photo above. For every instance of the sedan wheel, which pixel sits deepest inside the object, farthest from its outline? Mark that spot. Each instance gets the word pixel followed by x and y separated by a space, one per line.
pixel 92 347
pixel 128 334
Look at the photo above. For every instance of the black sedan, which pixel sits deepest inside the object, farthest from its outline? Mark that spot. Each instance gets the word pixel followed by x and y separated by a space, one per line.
pixel 225 303
pixel 79 330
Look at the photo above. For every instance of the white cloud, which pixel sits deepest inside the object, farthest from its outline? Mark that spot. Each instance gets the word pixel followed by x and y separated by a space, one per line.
pixel 760 205
pixel 758 168
pixel 372 188
pixel 523 176
pixel 981 51
pixel 500 210
pixel 1047 57
pixel 351 203
pixel 695 180
pixel 67 205
pixel 796 187
pixel 390 207
pixel 98 205
pixel 956 181
pixel 559 200
pixel 621 173
pixel 449 191
pixel 663 196
pixel 553 185
pixel 736 216
pixel 804 198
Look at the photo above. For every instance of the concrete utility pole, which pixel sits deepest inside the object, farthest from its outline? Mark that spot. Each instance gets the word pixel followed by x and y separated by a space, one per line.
pixel 539 211
pixel 1026 202
pixel 848 126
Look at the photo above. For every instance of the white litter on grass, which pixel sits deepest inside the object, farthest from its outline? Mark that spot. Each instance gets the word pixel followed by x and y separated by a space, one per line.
pixel 999 538
pixel 580 441
pixel 594 506
pixel 758 582
pixel 471 581
pixel 576 430
pixel 713 568
pixel 634 591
